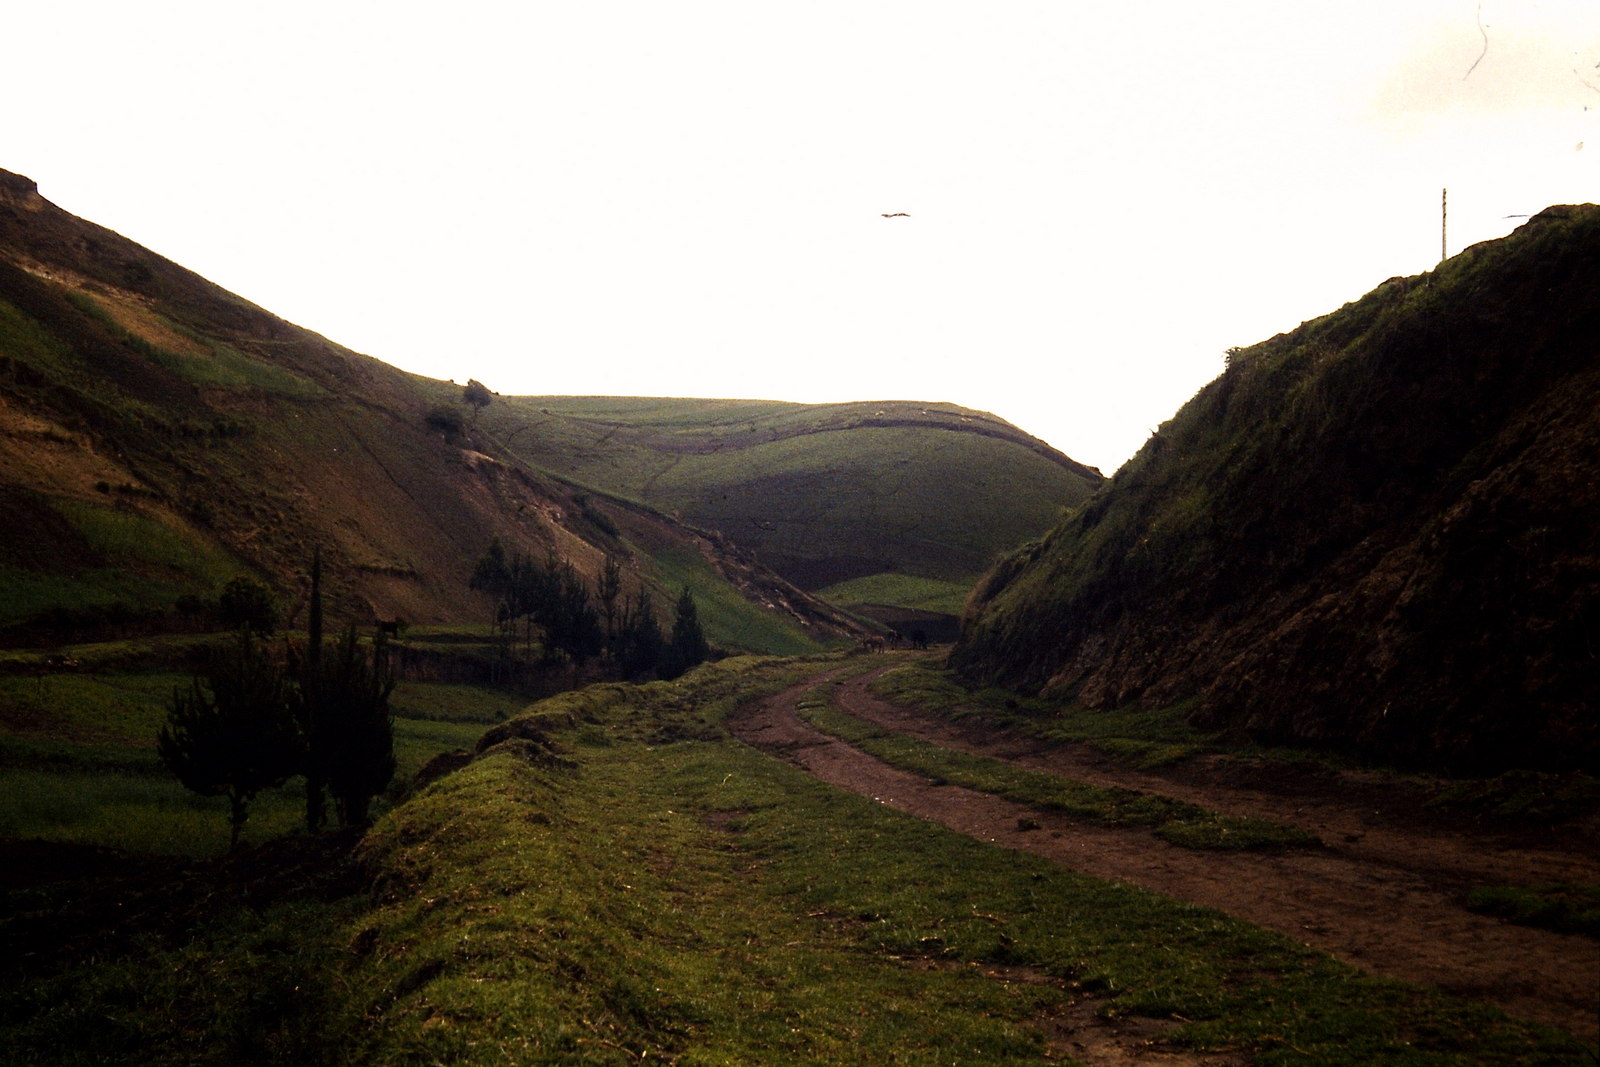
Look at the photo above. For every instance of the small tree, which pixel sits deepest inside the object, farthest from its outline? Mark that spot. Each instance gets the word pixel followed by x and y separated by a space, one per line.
pixel 640 644
pixel 687 645
pixel 446 420
pixel 354 746
pixel 477 396
pixel 580 633
pixel 248 602
pixel 308 702
pixel 232 733
pixel 492 573
pixel 610 588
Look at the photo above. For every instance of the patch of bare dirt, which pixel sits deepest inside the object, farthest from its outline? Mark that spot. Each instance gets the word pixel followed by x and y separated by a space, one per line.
pixel 1387 894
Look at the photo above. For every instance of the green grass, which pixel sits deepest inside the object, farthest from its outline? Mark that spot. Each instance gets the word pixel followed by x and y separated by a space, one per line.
pixel 143 561
pixel 226 366
pixel 78 761
pixel 1526 796
pixel 1180 823
pixel 665 895
pixel 731 620
pixel 121 708
pixel 1569 909
pixel 230 368
pixel 148 813
pixel 803 483
pixel 1145 738
pixel 901 590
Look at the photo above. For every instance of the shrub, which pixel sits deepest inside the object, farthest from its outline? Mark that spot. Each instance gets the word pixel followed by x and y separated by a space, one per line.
pixel 248 602
pixel 446 420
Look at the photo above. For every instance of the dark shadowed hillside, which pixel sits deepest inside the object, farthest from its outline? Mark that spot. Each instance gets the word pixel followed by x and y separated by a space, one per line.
pixel 1379 532
pixel 159 436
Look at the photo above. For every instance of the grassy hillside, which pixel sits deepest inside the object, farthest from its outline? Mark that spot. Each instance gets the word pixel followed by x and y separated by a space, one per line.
pixel 615 881
pixel 921 496
pixel 159 436
pixel 1377 532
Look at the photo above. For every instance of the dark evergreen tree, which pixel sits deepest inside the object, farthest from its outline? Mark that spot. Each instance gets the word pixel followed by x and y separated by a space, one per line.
pixel 232 733
pixel 640 644
pixel 551 598
pixel 309 702
pixel 493 575
pixel 687 646
pixel 609 590
pixel 355 739
pixel 578 623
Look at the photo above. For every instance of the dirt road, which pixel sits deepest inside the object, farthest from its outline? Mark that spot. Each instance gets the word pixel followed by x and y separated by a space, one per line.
pixel 1386 894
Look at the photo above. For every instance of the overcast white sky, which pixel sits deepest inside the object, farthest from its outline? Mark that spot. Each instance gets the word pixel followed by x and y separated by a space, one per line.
pixel 684 197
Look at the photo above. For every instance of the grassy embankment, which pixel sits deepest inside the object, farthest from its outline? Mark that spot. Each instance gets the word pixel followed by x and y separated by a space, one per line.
pixel 624 883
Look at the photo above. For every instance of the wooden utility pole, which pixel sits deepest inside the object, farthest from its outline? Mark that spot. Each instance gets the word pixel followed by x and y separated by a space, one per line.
pixel 1444 224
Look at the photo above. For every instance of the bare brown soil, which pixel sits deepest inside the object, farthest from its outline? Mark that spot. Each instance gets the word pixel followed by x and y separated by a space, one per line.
pixel 1386 894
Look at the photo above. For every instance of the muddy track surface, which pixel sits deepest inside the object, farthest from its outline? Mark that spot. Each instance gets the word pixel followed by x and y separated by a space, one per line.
pixel 1386 894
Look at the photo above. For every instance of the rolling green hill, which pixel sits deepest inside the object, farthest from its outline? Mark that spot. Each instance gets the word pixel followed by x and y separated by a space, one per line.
pixel 892 507
pixel 159 436
pixel 1379 532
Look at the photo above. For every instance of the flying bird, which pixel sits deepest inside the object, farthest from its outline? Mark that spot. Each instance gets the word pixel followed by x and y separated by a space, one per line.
pixel 887 215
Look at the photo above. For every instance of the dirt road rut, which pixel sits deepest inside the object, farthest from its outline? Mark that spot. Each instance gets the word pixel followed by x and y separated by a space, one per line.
pixel 1386 894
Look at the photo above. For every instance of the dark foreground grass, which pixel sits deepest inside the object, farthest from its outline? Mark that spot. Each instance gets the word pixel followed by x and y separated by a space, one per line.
pixel 1181 823
pixel 623 884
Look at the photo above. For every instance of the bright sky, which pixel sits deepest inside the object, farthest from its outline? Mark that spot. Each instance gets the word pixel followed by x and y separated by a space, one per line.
pixel 685 197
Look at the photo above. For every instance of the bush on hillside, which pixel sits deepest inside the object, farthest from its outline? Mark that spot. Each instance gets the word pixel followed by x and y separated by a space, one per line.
pixel 444 419
pixel 248 602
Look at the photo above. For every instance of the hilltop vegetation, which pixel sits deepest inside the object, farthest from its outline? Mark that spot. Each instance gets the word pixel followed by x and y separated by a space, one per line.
pixel 1376 532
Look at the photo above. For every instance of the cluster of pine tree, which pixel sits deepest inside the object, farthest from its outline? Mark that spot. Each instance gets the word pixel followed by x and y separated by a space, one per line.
pixel 551 601
pixel 249 722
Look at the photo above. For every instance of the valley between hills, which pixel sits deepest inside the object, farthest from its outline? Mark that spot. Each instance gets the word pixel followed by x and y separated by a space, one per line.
pixel 1276 746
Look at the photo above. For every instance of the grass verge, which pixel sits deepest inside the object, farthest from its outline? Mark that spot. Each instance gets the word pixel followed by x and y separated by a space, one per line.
pixel 1566 908
pixel 1142 738
pixel 1178 822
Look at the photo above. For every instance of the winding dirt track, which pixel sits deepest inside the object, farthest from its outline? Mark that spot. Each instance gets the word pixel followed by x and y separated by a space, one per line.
pixel 1386 895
